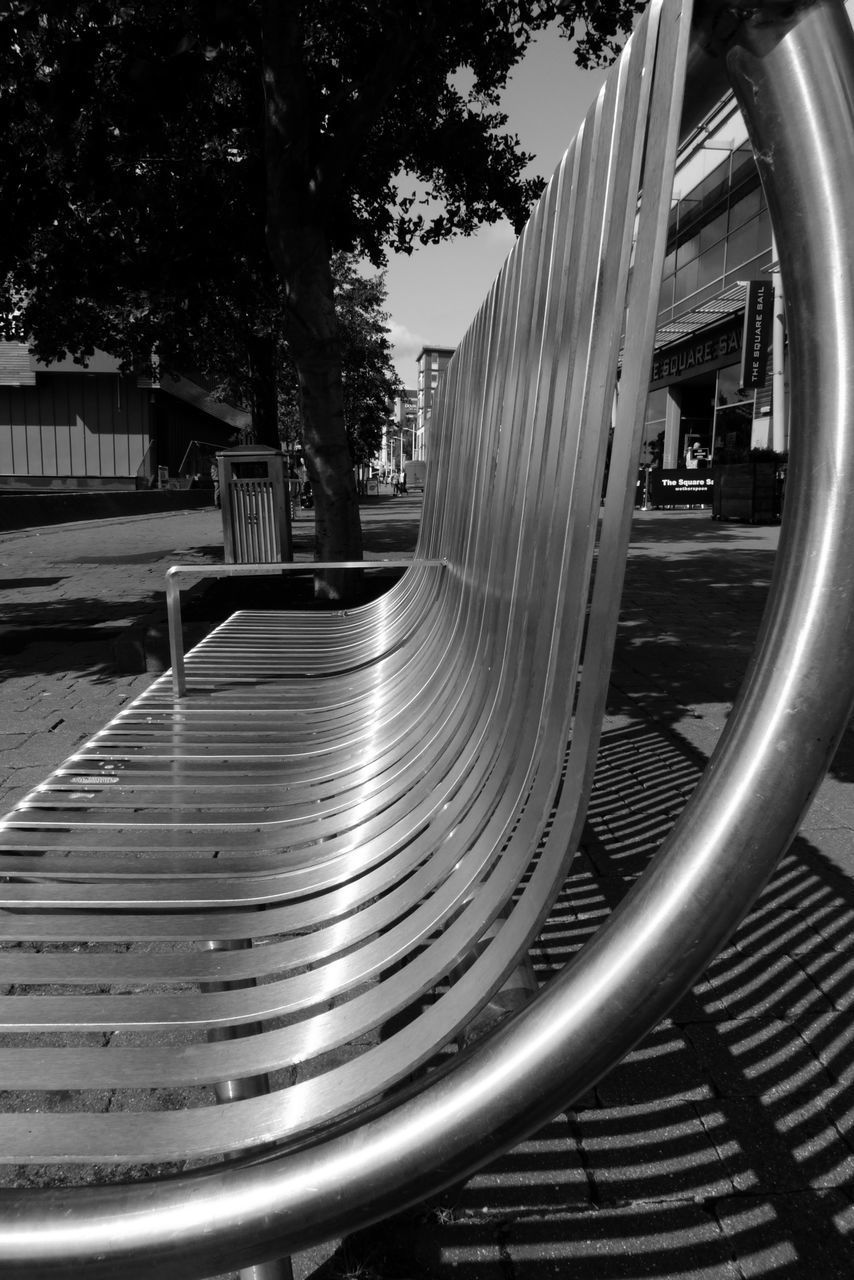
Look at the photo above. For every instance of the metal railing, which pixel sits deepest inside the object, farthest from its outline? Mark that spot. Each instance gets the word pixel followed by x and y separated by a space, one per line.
pixel 196 572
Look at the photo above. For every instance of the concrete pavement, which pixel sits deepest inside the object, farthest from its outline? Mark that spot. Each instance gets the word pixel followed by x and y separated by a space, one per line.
pixel 83 619
pixel 723 1146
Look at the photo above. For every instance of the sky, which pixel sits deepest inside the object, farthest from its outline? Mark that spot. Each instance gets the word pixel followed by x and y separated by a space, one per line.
pixel 434 293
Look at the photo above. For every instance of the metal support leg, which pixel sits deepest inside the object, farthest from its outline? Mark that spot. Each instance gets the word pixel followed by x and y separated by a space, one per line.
pixel 248 1087
pixel 176 634
pixel 520 986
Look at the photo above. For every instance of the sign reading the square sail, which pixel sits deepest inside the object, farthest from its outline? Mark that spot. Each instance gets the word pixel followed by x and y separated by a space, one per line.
pixel 758 312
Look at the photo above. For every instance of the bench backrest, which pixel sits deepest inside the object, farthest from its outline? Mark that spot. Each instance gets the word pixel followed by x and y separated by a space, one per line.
pixel 529 404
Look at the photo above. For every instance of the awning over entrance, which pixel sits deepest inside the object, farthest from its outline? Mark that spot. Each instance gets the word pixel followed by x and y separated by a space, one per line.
pixel 705 313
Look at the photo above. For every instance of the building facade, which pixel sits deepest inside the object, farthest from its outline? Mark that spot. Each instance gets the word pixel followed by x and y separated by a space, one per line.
pixel 717 387
pixel 431 364
pixel 399 432
pixel 66 427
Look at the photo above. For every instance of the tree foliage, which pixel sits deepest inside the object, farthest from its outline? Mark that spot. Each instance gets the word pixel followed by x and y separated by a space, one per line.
pixel 369 379
pixel 132 215
pixel 177 177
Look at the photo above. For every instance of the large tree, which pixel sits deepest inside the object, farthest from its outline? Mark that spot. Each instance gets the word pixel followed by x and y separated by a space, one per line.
pixel 190 169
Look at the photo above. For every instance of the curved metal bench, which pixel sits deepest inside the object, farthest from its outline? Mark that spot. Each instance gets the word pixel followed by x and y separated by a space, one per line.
pixel 246 927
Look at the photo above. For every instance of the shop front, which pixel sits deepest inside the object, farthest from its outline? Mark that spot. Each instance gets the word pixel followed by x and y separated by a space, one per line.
pixel 709 410
pixel 697 412
pixel 710 401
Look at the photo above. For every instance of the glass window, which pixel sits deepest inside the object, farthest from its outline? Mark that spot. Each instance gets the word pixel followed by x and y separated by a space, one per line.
pixel 656 405
pixel 746 208
pixel 713 232
pixel 684 210
pixel 718 175
pixel 685 281
pixel 729 392
pixel 765 232
pixel 652 447
pixel 748 242
pixel 688 251
pixel 711 265
pixel 733 430
pixel 665 296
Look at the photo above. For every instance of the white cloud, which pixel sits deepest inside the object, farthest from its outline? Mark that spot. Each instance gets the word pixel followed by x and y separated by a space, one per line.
pixel 407 347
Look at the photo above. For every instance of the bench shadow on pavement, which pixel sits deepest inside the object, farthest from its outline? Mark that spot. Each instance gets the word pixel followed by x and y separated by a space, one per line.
pixel 723 1145
pixel 84 635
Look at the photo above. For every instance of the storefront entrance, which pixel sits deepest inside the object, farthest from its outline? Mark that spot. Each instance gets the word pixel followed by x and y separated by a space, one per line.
pixel 699 422
pixel 696 423
pixel 715 419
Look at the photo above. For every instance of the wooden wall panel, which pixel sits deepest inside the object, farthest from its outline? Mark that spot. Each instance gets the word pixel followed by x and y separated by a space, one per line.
pixel 74 425
pixel 7 460
pixel 32 431
pixel 41 416
pixel 64 452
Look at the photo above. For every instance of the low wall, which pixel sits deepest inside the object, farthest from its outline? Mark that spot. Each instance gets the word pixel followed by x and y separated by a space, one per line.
pixel 27 510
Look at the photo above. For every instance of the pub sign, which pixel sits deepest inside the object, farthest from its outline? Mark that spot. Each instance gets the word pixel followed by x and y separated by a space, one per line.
pixel 681 487
pixel 701 353
pixel 757 333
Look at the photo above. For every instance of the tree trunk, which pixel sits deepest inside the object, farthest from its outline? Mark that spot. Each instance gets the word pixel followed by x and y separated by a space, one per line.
pixel 311 331
pixel 264 400
pixel 300 251
pixel 338 532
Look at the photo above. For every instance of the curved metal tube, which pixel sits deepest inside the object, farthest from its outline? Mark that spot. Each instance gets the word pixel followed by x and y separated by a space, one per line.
pixel 795 79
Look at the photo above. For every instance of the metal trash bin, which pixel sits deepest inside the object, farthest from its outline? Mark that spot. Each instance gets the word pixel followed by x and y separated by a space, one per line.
pixel 256 521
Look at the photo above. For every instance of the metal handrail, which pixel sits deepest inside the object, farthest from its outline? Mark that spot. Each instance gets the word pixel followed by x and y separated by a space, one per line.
pixel 198 571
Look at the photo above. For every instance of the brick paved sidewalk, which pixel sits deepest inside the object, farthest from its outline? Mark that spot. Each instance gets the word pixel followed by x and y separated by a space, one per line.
pixel 83 619
pixel 722 1147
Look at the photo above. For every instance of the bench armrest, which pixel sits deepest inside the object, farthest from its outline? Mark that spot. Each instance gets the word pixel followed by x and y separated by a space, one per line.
pixel 177 572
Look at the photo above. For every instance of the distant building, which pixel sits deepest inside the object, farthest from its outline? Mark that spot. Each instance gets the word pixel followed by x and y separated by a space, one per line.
pixel 399 434
pixel 431 364
pixel 65 426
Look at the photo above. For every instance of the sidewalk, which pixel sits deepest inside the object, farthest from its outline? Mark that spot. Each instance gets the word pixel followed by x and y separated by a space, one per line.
pixel 722 1147
pixel 83 619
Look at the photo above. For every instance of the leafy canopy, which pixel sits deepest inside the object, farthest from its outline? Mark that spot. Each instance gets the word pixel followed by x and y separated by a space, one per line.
pixel 373 95
pixel 132 161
